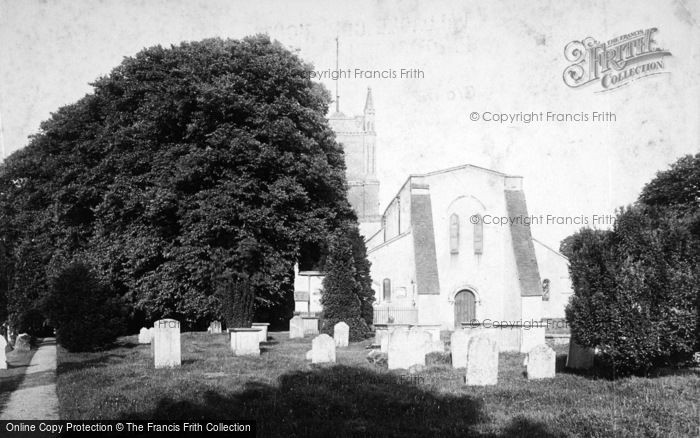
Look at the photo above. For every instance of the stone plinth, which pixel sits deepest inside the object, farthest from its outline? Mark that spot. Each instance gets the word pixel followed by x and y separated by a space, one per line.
pixel 310 325
pixel 245 341
pixel 262 328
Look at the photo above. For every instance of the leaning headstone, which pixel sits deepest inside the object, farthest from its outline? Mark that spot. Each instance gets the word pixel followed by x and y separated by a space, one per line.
pixel 3 354
pixel 459 341
pixel 245 341
pixel 323 349
pixel 166 343
pixel 262 330
pixel 214 327
pixel 144 336
pixel 541 362
pixel 579 358
pixel 341 334
pixel 482 362
pixel 296 328
pixel 23 342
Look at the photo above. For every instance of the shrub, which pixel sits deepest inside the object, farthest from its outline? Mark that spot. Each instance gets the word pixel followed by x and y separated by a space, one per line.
pixel 636 290
pixel 341 293
pixel 84 313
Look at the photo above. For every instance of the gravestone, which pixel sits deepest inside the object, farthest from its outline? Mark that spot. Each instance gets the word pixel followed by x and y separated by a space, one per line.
pixel 262 330
pixel 144 336
pixel 323 349
pixel 310 325
pixel 166 343
pixel 384 346
pixel 296 328
pixel 309 354
pixel 541 362
pixel 408 347
pixel 341 334
pixel 23 342
pixel 214 327
pixel 579 358
pixel 3 353
pixel 436 345
pixel 380 332
pixel 245 341
pixel 482 362
pixel 459 341
pixel 398 349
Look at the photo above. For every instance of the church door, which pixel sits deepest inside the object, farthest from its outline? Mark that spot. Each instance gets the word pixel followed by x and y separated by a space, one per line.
pixel 464 307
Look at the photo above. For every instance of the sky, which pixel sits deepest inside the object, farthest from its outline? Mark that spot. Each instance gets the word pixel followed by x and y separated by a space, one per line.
pixel 501 57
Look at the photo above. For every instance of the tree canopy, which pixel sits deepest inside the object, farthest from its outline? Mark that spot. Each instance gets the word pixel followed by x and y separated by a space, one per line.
pixel 637 287
pixel 186 163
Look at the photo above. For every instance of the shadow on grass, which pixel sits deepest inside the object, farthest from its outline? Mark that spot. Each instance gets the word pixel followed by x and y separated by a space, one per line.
pixel 103 360
pixel 342 401
pixel 14 375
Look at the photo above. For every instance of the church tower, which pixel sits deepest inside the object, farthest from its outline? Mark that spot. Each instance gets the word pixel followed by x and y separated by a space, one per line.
pixel 357 136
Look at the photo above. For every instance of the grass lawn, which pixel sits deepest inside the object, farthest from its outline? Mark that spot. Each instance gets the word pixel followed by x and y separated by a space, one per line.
pixel 290 397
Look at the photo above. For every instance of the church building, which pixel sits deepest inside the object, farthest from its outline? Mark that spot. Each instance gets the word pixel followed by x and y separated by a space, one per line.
pixel 438 255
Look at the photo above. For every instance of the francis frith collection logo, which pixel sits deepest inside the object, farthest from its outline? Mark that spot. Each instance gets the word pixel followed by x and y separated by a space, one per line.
pixel 614 63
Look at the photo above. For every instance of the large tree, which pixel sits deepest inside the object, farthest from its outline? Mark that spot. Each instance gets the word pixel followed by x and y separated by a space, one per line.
pixel 187 170
pixel 637 287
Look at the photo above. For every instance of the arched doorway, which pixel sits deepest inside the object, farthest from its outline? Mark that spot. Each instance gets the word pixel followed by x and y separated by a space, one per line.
pixel 465 306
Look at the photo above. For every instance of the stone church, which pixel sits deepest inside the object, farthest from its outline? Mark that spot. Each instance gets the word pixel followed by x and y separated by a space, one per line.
pixel 436 258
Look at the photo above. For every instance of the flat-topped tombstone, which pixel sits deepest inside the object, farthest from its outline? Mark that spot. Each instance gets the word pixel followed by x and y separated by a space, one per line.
pixel 541 362
pixel 459 341
pixel 3 354
pixel 341 334
pixel 482 361
pixel 296 328
pixel 421 342
pixel 398 354
pixel 245 341
pixel 166 343
pixel 262 328
pixel 23 342
pixel 579 358
pixel 323 349
pixel 310 325
pixel 145 336
pixel 214 327
pixel 408 347
pixel 384 346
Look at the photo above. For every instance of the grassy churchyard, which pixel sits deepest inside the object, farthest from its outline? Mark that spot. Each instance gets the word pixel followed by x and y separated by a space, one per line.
pixel 288 396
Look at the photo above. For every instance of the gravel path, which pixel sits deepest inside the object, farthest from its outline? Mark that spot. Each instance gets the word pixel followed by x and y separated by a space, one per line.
pixel 35 398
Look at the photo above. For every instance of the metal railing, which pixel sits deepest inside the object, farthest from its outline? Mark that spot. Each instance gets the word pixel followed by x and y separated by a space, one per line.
pixel 397 315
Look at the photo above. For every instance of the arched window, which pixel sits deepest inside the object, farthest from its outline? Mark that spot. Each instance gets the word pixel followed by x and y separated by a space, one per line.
pixel 454 234
pixel 386 289
pixel 478 235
